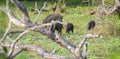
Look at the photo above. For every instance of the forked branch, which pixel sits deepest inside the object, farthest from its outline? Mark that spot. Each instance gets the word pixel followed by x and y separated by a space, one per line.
pixel 39 12
pixel 111 10
pixel 16 40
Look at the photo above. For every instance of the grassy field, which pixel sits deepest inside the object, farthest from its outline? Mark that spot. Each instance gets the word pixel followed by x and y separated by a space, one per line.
pixel 105 47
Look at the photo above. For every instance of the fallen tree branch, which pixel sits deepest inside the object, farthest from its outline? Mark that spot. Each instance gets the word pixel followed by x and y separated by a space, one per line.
pixel 61 41
pixel 42 52
pixel 16 40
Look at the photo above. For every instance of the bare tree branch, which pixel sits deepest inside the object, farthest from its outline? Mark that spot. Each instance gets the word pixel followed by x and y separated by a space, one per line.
pixel 56 38
pixel 18 51
pixel 86 37
pixel 35 5
pixel 11 16
pixel 43 52
pixel 26 17
pixel 9 27
pixel 117 2
pixel 81 43
pixel 39 12
pixel 16 40
pixel 7 4
pixel 103 4
pixel 84 51
pixel 108 12
pixel 38 49
pixel 54 51
pixel 13 19
pixel 111 11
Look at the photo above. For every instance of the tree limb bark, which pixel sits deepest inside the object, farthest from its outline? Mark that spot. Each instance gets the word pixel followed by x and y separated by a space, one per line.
pixel 30 47
pixel 25 17
pixel 16 40
pixel 108 12
pixel 39 12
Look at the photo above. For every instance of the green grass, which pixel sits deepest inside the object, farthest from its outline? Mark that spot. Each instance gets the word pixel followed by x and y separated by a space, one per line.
pixel 115 54
pixel 106 47
pixel 28 55
pixel 3 21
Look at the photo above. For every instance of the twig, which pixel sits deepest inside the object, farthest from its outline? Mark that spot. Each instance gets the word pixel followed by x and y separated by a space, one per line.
pixel 35 5
pixel 86 37
pixel 16 40
pixel 54 51
pixel 39 12
pixel 82 43
pixel 84 50
pixel 12 18
pixel 117 2
pixel 18 51
pixel 111 11
pixel 9 27
pixel 103 4
pixel 7 4
pixel 108 12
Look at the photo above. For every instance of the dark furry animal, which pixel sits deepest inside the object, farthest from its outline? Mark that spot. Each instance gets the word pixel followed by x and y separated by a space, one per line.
pixel 54 17
pixel 91 25
pixel 69 27
pixel 57 27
